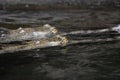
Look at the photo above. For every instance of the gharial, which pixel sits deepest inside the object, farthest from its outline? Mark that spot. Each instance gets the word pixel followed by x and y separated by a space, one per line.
pixel 22 34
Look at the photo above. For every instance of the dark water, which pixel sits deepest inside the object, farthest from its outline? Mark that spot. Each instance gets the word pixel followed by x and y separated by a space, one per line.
pixel 94 61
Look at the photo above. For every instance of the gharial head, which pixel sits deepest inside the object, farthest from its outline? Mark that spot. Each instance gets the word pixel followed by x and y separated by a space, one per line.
pixel 64 41
pixel 51 28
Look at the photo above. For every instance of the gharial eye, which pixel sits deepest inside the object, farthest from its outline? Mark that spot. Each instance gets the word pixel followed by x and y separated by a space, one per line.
pixel 37 42
pixel 47 25
pixel 21 31
pixel 20 28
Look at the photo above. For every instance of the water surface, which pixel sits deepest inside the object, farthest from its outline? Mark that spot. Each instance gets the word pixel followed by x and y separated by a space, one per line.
pixel 93 61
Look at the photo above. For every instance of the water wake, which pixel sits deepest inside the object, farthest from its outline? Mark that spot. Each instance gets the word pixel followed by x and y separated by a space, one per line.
pixel 95 40
pixel 84 32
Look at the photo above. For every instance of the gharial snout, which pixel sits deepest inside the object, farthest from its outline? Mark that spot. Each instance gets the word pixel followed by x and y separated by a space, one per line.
pixel 63 40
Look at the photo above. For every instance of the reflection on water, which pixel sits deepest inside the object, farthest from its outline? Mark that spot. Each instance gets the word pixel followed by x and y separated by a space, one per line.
pixel 76 62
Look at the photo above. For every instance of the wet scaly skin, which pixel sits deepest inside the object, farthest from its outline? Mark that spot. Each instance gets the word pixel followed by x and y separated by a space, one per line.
pixel 57 40
pixel 30 34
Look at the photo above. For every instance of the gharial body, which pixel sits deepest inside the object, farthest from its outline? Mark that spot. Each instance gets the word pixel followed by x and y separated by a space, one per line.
pixel 28 34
